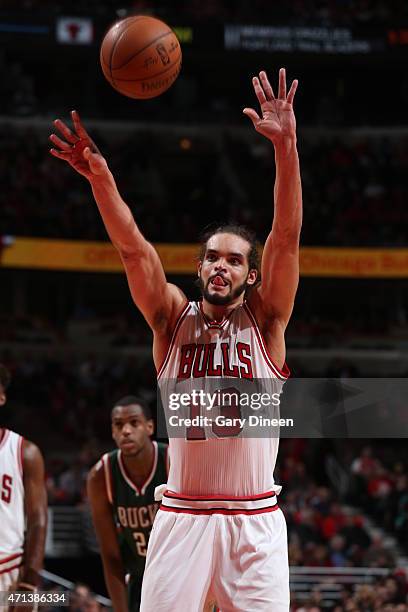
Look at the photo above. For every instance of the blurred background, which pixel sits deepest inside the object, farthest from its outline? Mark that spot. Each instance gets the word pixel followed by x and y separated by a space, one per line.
pixel 68 330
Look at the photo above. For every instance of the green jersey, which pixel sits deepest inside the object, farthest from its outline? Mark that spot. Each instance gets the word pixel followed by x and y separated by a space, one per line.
pixel 134 508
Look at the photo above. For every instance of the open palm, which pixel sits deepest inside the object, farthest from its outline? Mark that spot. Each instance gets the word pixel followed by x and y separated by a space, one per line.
pixel 277 119
pixel 78 148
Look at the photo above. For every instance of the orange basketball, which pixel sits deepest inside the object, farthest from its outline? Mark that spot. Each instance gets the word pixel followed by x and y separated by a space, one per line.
pixel 140 56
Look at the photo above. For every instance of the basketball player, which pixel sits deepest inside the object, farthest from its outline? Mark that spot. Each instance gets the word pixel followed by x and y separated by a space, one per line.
pixel 219 534
pixel 121 493
pixel 23 507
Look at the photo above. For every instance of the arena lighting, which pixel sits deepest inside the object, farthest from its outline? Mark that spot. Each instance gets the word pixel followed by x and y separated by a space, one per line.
pixel 185 144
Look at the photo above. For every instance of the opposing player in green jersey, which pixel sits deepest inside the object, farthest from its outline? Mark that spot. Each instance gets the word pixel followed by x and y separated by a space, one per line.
pixel 121 493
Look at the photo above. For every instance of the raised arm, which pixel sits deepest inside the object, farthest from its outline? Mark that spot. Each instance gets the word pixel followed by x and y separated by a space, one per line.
pixel 158 300
pixel 280 259
pixel 107 537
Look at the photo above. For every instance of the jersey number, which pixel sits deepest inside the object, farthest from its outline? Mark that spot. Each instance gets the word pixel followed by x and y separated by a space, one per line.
pixel 6 483
pixel 230 411
pixel 140 541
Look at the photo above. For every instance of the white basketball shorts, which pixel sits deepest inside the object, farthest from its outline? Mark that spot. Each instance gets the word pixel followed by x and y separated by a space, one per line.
pixel 223 551
pixel 8 581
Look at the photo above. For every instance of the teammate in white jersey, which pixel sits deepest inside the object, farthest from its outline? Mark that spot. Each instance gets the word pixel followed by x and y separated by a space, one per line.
pixel 219 534
pixel 23 508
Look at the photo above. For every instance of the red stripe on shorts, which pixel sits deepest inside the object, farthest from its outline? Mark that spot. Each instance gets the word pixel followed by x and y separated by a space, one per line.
pixel 226 511
pixel 10 557
pixel 11 568
pixel 219 497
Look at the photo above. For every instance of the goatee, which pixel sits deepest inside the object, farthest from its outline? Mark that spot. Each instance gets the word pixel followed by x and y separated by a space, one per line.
pixel 221 300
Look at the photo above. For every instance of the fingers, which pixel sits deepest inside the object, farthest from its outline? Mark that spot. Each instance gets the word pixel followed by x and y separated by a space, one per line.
pixel 292 91
pixel 260 94
pixel 252 114
pixel 65 131
pixel 264 91
pixel 282 84
pixel 71 137
pixel 60 154
pixel 82 133
pixel 59 143
pixel 79 128
pixel 267 87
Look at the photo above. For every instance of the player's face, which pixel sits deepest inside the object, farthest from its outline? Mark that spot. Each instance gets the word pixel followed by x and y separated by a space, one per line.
pixel 130 429
pixel 224 272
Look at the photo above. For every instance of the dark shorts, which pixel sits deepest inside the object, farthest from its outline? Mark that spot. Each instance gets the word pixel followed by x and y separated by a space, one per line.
pixel 134 593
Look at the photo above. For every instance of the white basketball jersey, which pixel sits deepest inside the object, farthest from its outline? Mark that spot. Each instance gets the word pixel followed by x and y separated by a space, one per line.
pixel 12 515
pixel 204 350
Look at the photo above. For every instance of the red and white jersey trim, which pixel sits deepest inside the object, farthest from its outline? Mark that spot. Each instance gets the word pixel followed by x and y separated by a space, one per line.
pixel 12 510
pixel 179 320
pixel 283 373
pixel 218 504
pixel 20 455
pixel 213 324
pixel 167 459
pixel 3 439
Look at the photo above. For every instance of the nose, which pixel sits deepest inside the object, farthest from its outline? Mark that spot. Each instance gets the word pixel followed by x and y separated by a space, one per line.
pixel 126 430
pixel 220 266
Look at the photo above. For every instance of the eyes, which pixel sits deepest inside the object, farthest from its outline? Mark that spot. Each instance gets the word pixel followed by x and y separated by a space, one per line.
pixel 234 261
pixel 133 423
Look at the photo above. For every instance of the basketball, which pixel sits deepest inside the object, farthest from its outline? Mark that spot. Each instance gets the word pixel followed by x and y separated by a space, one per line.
pixel 140 56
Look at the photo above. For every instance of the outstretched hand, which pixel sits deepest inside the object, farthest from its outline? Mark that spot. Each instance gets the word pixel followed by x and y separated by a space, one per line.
pixel 277 120
pixel 78 148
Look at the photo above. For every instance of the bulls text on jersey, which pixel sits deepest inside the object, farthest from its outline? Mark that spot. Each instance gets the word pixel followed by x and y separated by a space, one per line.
pixel 197 360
